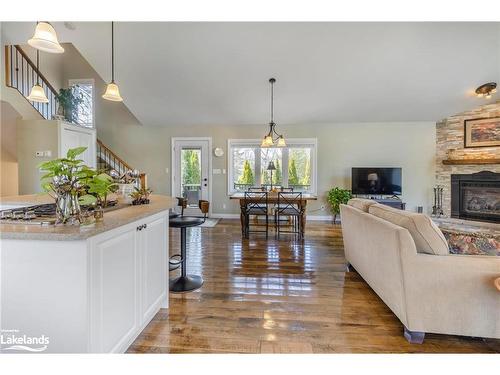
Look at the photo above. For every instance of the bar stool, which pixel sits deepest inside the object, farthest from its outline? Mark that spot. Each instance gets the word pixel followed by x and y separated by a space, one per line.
pixel 185 282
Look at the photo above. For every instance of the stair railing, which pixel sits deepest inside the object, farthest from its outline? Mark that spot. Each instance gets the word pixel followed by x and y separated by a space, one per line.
pixel 21 74
pixel 113 161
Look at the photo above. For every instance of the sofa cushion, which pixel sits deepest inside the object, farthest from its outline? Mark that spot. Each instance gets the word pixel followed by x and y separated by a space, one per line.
pixel 427 236
pixel 360 203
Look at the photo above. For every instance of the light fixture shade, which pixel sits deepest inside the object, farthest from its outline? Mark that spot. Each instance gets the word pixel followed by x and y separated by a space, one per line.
pixel 112 93
pixel 267 141
pixel 37 94
pixel 45 39
pixel 281 142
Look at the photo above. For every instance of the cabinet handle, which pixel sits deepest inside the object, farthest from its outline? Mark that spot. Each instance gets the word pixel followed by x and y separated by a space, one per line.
pixel 145 226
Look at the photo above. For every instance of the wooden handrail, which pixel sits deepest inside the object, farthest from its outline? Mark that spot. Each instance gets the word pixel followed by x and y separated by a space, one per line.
pixel 118 163
pixel 21 74
pixel 33 66
pixel 116 157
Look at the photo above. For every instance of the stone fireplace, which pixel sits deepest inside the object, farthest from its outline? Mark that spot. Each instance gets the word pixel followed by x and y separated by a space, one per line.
pixel 450 136
pixel 476 196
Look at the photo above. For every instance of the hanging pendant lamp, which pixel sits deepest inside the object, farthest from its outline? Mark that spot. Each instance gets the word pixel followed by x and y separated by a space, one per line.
pixel 45 38
pixel 272 138
pixel 37 93
pixel 112 92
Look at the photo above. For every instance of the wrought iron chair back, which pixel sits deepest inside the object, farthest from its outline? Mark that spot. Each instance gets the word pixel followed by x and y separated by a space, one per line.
pixel 257 202
pixel 288 203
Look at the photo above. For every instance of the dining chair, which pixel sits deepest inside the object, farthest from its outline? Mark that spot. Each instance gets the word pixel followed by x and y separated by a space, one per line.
pixel 289 205
pixel 256 204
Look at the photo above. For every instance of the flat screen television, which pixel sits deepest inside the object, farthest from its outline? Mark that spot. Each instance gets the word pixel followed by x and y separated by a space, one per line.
pixel 376 181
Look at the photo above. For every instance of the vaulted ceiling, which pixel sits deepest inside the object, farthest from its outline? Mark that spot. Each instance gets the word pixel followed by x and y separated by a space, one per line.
pixel 217 73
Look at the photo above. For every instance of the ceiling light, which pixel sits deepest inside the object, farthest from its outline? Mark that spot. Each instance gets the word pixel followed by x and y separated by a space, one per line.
pixel 112 92
pixel 37 93
pixel 486 90
pixel 45 38
pixel 272 138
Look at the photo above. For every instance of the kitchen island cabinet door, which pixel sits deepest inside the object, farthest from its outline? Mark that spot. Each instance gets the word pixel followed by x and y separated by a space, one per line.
pixel 114 293
pixel 154 272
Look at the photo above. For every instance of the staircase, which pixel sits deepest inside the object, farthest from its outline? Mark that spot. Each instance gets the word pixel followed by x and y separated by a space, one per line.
pixel 21 74
pixel 108 160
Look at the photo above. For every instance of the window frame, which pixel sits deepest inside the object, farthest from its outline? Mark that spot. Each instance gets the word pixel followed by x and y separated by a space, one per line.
pixel 77 81
pixel 312 143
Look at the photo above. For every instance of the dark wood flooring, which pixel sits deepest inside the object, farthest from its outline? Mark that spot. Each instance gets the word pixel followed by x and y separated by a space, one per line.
pixel 281 296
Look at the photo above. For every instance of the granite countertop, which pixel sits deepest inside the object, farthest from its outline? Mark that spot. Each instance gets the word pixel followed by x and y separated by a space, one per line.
pixel 112 219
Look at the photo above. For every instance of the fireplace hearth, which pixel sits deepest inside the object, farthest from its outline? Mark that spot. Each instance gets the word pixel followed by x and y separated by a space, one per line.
pixel 476 196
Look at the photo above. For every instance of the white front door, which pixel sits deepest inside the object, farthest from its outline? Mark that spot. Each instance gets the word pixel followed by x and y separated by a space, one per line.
pixel 190 171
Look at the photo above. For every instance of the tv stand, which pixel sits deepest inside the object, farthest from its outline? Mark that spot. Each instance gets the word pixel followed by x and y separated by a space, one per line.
pixel 394 201
pixel 391 202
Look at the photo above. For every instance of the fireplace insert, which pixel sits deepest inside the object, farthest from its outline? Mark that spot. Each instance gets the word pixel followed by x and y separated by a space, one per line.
pixel 476 196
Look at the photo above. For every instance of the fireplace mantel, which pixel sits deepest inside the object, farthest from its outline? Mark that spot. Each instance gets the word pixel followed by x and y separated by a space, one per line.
pixel 470 161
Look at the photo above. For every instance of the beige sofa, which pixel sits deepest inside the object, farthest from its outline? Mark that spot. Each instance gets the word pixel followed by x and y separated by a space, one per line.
pixel 404 258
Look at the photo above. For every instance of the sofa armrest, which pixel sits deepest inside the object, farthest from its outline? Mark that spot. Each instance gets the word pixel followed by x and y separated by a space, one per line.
pixel 452 294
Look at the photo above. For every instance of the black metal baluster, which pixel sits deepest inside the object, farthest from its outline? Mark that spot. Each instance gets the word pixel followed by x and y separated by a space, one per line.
pixel 11 65
pixel 17 71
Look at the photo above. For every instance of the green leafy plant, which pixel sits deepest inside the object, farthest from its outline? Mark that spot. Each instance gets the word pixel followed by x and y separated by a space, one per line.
pixel 336 197
pixel 69 100
pixel 98 187
pixel 65 180
pixel 140 196
pixel 67 174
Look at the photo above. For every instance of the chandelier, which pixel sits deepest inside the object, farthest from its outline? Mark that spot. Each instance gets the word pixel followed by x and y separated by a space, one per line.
pixel 272 138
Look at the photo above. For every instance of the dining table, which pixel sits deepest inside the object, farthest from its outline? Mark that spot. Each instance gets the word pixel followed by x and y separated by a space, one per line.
pixel 272 199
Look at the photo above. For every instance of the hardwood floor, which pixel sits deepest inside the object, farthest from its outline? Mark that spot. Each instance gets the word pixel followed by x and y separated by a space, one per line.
pixel 281 297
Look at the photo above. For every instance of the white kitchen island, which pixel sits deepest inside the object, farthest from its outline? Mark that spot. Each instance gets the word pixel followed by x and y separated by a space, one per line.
pixel 84 290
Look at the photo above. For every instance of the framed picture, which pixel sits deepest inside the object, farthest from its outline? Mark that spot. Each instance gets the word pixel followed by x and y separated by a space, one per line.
pixel 482 132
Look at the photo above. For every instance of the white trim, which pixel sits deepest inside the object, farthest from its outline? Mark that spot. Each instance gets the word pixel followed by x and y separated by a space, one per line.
pixel 224 216
pixel 172 162
pixel 86 80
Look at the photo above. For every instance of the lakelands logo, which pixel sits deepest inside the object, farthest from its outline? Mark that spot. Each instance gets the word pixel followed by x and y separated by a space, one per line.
pixel 12 340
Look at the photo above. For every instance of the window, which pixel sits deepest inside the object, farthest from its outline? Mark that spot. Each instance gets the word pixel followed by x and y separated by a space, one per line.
pixel 295 165
pixel 84 114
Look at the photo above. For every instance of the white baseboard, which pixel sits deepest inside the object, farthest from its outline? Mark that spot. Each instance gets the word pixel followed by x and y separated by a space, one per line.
pixel 215 215
pixel 237 216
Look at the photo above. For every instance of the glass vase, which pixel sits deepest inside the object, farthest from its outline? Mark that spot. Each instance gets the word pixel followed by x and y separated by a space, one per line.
pixel 67 209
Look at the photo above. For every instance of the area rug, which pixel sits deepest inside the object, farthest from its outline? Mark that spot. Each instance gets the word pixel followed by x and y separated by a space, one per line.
pixel 210 223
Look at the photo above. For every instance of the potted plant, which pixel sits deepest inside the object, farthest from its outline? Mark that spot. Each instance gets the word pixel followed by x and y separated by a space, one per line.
pixel 140 196
pixel 336 197
pixel 64 180
pixel 68 100
pixel 98 186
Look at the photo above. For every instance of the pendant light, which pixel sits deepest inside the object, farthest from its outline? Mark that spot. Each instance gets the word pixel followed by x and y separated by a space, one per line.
pixel 112 92
pixel 272 138
pixel 45 38
pixel 37 93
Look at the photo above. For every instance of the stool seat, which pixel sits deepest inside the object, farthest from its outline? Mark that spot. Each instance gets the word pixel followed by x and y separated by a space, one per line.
pixel 185 221
pixel 172 215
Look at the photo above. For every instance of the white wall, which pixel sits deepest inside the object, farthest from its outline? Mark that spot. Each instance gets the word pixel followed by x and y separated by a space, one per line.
pixel 8 157
pixel 340 147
